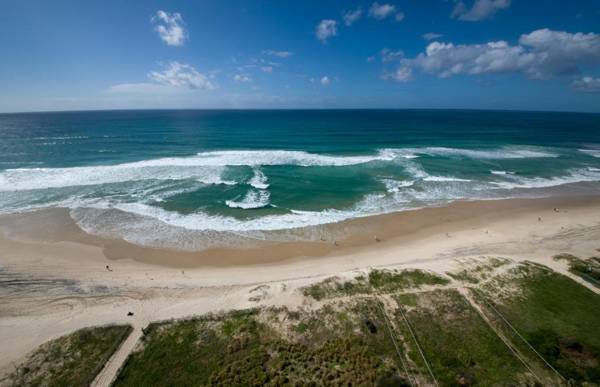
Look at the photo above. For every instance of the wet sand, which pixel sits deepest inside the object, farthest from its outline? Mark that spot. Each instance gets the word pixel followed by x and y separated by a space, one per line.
pixel 55 225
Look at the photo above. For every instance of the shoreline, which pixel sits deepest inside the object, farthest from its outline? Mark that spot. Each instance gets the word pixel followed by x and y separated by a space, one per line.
pixel 52 286
pixel 371 232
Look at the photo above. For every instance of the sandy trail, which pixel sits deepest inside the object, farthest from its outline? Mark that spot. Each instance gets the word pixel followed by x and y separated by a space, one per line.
pixel 51 288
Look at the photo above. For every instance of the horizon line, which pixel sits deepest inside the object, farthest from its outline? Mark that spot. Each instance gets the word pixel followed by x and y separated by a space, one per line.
pixel 292 109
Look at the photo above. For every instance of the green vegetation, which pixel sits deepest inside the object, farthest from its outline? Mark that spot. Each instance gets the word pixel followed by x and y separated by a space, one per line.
pixel 458 344
pixel 384 281
pixel 557 316
pixel 336 345
pixel 72 360
pixel 588 269
pixel 370 330
pixel 478 271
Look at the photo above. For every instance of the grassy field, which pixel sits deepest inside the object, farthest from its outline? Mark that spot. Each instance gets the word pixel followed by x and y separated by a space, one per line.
pixel 386 281
pixel 335 345
pixel 459 346
pixel 557 316
pixel 72 360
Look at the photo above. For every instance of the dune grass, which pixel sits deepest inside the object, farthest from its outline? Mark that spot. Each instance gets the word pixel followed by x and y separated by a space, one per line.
pixel 588 269
pixel 458 344
pixel 332 346
pixel 71 360
pixel 558 317
pixel 386 281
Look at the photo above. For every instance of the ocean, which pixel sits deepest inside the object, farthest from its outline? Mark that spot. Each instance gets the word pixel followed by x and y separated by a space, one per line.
pixel 192 179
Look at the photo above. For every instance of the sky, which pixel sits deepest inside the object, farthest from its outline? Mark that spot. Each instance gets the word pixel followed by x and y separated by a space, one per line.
pixel 470 54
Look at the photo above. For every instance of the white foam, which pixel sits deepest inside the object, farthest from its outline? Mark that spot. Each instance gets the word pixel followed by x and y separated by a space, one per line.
pixel 501 173
pixel 43 178
pixel 500 153
pixel 406 195
pixel 204 222
pixel 573 176
pixel 445 179
pixel 206 166
pixel 415 170
pixel 259 180
pixel 61 138
pixel 591 152
pixel 253 199
pixel 392 185
pixel 274 157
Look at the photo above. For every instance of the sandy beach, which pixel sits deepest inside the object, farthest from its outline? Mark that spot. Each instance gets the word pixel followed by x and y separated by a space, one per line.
pixel 55 278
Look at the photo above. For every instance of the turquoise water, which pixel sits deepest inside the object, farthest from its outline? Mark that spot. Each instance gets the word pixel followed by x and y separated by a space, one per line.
pixel 192 179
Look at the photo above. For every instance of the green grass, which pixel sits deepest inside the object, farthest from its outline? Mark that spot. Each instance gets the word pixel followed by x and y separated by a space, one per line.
pixel 72 360
pixel 332 346
pixel 559 318
pixel 458 344
pixel 588 269
pixel 386 281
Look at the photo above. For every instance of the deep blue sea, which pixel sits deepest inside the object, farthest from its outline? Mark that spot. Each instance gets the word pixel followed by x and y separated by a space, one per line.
pixel 163 178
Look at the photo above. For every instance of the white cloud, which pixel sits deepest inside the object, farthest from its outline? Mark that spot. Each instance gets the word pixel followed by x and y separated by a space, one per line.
pixel 540 54
pixel 559 52
pixel 431 36
pixel 241 78
pixel 388 55
pixel 371 59
pixel 402 74
pixel 325 81
pixel 326 29
pixel 267 69
pixel 481 9
pixel 399 16
pixel 381 11
pixel 177 74
pixel 351 16
pixel 280 54
pixel 587 84
pixel 175 78
pixel 170 28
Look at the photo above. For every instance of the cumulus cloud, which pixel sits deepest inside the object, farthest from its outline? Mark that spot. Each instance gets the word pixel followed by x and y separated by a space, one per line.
pixel 587 84
pixel 241 78
pixel 540 54
pixel 177 74
pixel 481 9
pixel 325 81
pixel 432 36
pixel 351 16
pixel 326 29
pixel 175 77
pixel 381 11
pixel 279 54
pixel 170 28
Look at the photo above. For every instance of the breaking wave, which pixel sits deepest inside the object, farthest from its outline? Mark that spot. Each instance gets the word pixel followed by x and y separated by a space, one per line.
pixel 207 167
pixel 253 199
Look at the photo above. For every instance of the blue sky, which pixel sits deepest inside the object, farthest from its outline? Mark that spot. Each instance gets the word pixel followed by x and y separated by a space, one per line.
pixel 482 54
